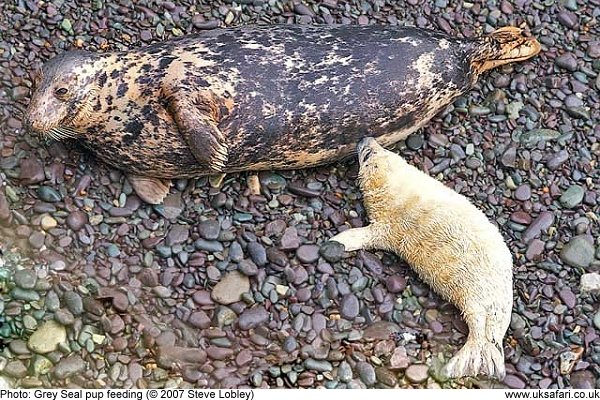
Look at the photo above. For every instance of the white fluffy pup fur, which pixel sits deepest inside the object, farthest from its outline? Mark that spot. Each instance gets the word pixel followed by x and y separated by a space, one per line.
pixel 449 243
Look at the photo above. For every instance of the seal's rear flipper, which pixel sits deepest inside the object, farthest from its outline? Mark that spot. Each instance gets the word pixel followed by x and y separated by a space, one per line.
pixel 197 118
pixel 476 359
pixel 505 45
pixel 150 190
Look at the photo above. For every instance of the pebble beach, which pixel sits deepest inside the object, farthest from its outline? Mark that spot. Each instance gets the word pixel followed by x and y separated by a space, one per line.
pixel 233 285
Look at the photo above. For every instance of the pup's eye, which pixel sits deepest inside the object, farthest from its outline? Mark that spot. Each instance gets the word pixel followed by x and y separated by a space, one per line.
pixel 61 91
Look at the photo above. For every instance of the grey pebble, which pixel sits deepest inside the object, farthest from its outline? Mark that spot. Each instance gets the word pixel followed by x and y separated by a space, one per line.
pixel 567 61
pixel 350 306
pixel 417 373
pixel 308 253
pixel 572 197
pixel 73 302
pixel 15 369
pixel 290 344
pixel 48 194
pixel 25 279
pixel 366 372
pixel 64 317
pixel 578 252
pixel 332 251
pixel 318 365
pixel 253 317
pixel 69 366
pixel 26 295
pixel 236 254
pixel 209 229
pixel 344 372
pixel 212 246
pixel 257 253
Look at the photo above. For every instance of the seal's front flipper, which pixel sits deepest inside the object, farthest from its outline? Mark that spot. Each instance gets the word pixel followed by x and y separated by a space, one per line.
pixel 150 190
pixel 197 119
pixel 216 181
pixel 355 238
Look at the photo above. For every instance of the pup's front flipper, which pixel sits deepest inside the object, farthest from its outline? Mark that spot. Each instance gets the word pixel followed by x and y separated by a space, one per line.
pixel 150 190
pixel 355 238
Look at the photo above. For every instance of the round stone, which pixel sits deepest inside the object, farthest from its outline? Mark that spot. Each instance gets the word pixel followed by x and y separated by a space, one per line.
pixel 25 279
pixel 209 229
pixel 567 61
pixel 523 192
pixel 572 197
pixel 583 380
pixel 579 252
pixel 597 320
pixel 395 283
pixel 290 344
pixel 73 302
pixel 514 382
pixel 350 306
pixel 332 251
pixel 77 220
pixel 344 372
pixel 308 253
pixel 47 337
pixel 48 223
pixel 69 366
pixel 258 254
pixel 230 288
pixel 48 194
pixel 415 141
pixel 318 365
pixel 251 318
pixel 366 372
pixel 417 373
pixel 199 319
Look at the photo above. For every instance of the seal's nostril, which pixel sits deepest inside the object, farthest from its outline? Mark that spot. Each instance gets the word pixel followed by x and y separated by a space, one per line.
pixel 366 154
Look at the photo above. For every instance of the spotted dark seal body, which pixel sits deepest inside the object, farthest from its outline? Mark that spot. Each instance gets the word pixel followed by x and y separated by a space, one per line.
pixel 249 98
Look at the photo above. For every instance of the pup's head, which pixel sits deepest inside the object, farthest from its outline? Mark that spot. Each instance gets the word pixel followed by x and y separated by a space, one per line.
pixel 375 163
pixel 64 92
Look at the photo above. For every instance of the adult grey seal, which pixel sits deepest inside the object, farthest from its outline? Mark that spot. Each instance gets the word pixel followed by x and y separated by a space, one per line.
pixel 258 97
pixel 449 243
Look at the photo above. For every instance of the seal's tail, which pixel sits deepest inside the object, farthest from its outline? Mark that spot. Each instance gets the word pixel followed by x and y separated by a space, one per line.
pixel 503 46
pixel 477 358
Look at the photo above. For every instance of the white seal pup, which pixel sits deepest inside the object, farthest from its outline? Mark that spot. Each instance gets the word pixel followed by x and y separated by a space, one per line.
pixel 449 243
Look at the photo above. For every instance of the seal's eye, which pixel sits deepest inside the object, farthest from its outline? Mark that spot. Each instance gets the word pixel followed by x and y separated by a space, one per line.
pixel 61 91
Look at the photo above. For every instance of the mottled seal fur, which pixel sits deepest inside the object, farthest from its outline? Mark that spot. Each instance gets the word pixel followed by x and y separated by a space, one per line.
pixel 251 98
pixel 449 243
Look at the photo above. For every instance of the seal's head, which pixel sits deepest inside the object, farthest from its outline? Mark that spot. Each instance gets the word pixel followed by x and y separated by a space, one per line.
pixel 505 45
pixel 63 95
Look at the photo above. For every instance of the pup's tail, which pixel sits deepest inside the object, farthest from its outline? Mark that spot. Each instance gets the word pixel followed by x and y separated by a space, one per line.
pixel 477 358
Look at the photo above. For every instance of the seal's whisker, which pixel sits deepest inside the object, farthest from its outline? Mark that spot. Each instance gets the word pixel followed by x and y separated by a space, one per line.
pixel 52 134
pixel 68 129
pixel 68 133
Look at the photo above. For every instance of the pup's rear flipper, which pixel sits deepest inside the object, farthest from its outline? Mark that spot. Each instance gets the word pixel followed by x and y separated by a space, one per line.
pixel 475 359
